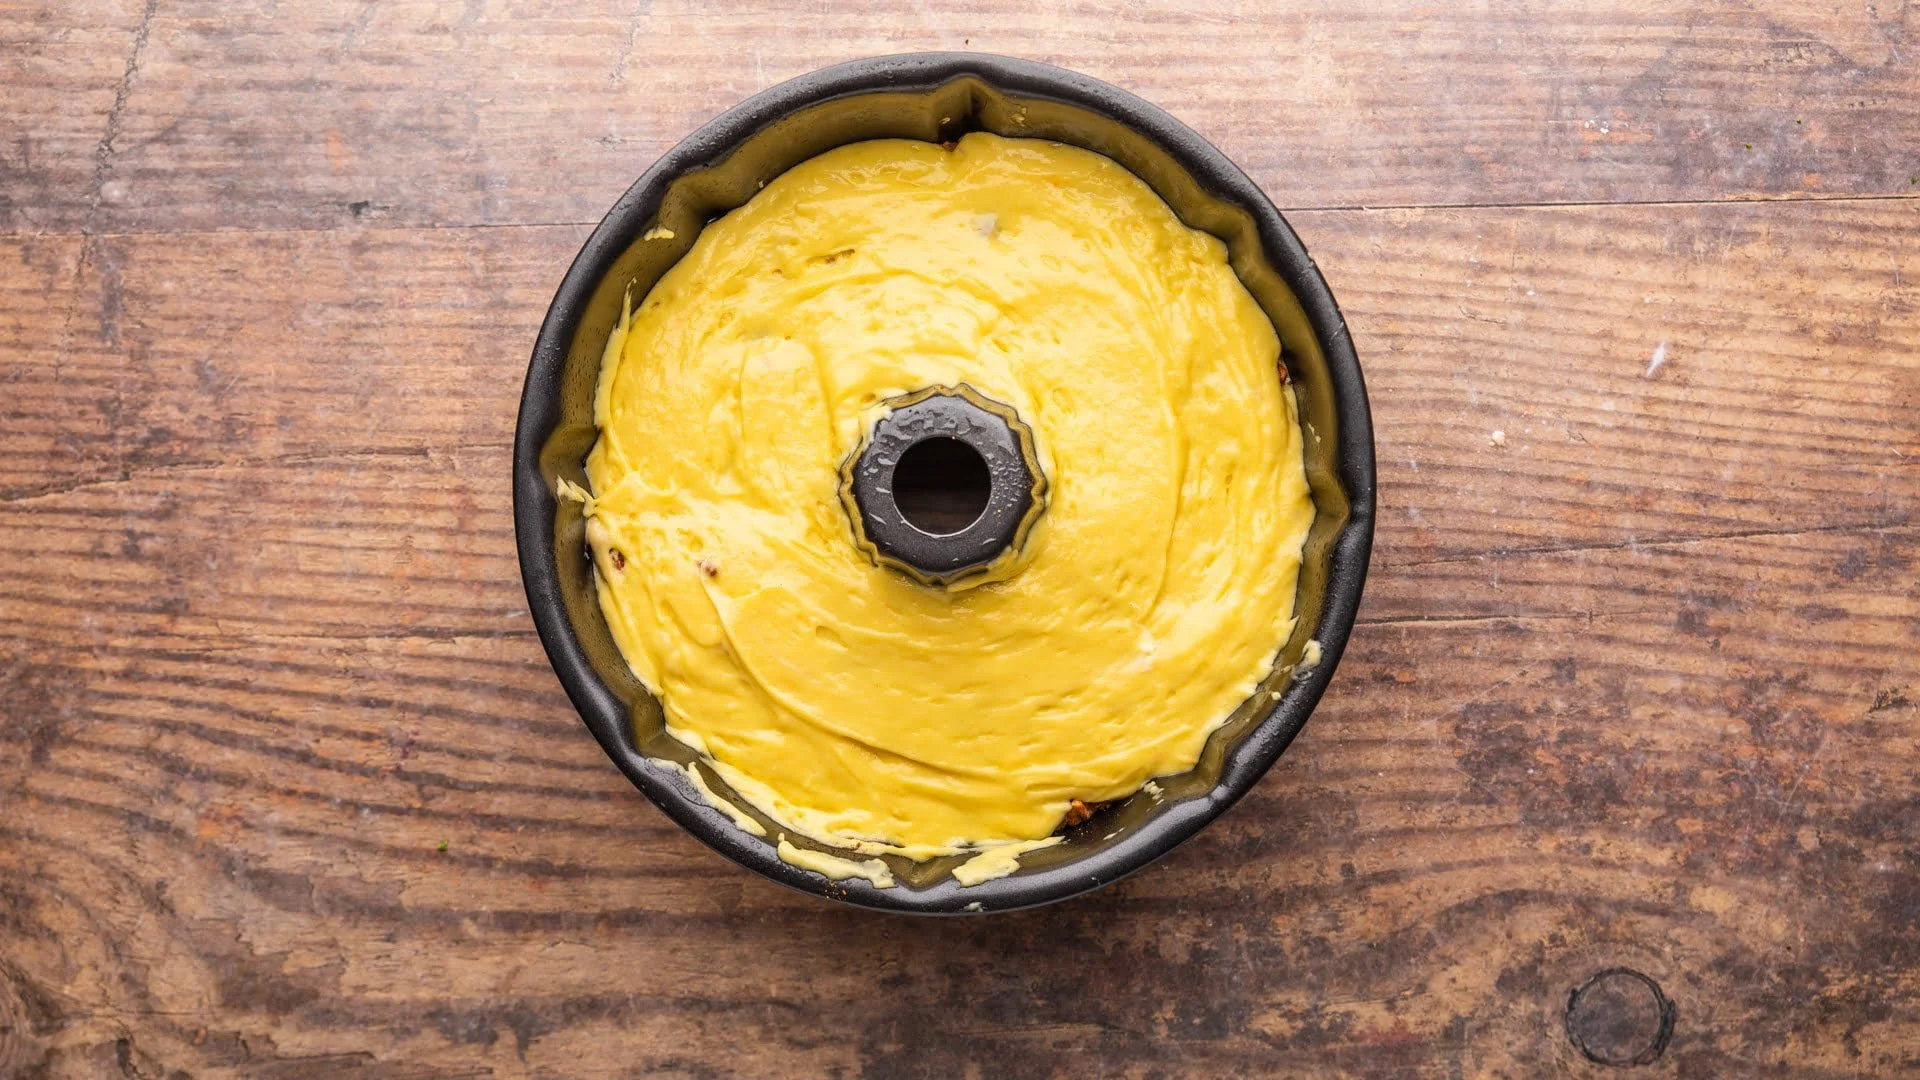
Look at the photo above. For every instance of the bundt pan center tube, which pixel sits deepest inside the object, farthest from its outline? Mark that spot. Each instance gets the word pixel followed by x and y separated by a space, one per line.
pixel 954 431
pixel 973 433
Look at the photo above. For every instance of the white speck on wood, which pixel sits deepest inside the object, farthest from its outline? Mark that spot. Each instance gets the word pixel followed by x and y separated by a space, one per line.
pixel 1659 358
pixel 1498 438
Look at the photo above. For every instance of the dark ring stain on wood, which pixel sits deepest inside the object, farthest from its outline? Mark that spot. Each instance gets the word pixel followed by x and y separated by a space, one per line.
pixel 1620 1017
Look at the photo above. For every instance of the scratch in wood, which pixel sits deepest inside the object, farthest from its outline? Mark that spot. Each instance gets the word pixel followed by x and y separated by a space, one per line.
pixel 103 153
pixel 102 167
pixel 1580 204
pixel 351 39
pixel 1666 541
pixel 247 642
pixel 1382 999
pixel 635 27
pixel 302 230
pixel 1786 803
pixel 128 475
pixel 1404 620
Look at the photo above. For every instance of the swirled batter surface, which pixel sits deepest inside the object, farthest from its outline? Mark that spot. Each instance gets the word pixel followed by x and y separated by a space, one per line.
pixel 847 702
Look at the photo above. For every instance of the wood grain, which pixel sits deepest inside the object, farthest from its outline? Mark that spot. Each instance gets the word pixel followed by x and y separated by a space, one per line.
pixel 288 790
pixel 266 114
pixel 68 76
pixel 174 355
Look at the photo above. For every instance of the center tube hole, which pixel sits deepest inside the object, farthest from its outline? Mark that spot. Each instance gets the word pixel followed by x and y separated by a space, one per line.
pixel 941 486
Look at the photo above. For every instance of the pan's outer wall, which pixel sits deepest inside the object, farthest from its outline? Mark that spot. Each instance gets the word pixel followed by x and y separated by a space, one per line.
pixel 938 96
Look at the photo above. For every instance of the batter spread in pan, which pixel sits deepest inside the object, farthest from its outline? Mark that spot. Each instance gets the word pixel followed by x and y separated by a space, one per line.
pixel 848 703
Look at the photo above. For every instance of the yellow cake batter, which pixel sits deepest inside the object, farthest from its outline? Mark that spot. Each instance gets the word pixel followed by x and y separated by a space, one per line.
pixel 848 703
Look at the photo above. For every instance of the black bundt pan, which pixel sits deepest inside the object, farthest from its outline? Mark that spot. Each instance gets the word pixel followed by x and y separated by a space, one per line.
pixel 937 97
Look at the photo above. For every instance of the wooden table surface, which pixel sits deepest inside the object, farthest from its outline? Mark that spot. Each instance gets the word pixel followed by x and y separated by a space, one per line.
pixel 287 788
